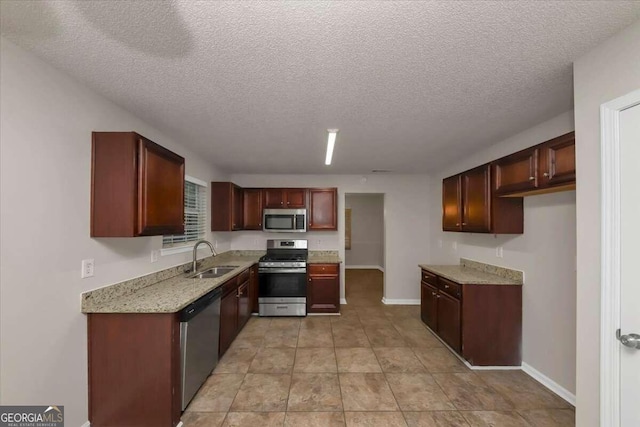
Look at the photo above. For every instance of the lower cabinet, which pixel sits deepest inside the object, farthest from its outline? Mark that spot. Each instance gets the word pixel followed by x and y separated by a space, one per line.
pixel 323 288
pixel 253 288
pixel 483 323
pixel 235 308
pixel 134 369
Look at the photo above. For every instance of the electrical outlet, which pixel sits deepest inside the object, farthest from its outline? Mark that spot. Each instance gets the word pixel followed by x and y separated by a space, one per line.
pixel 454 245
pixel 499 252
pixel 154 255
pixel 87 268
pixel 215 244
pixel 439 243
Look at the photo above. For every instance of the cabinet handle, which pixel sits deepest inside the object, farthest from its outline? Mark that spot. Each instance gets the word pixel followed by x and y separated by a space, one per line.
pixel 464 223
pixel 546 174
pixel 531 178
pixel 309 279
pixel 433 293
pixel 437 296
pixel 446 286
pixel 457 224
pixel 282 203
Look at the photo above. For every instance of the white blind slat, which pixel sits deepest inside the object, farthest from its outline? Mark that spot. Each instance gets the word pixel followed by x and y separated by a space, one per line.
pixel 195 216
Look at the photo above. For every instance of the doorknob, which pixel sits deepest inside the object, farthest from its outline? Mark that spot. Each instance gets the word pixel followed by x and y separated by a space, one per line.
pixel 629 340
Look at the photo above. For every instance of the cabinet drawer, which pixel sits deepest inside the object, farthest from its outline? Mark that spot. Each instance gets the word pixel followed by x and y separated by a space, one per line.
pixel 323 268
pixel 429 278
pixel 452 288
pixel 229 286
pixel 243 277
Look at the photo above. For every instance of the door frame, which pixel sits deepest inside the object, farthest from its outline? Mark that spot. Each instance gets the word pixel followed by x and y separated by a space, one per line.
pixel 610 256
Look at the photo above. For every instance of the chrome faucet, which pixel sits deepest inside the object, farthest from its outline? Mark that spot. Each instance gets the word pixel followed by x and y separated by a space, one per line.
pixel 194 265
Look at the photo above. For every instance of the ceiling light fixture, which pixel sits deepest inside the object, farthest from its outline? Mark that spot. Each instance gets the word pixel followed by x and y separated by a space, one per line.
pixel 331 142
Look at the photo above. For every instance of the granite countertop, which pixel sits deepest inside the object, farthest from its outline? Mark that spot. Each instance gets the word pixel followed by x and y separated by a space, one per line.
pixel 475 273
pixel 166 296
pixel 324 257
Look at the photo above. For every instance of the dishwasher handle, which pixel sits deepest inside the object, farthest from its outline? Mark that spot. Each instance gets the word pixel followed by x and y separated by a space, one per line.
pixel 193 309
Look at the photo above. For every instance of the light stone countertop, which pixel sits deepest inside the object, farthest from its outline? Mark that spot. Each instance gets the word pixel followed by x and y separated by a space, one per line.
pixel 169 295
pixel 324 257
pixel 466 274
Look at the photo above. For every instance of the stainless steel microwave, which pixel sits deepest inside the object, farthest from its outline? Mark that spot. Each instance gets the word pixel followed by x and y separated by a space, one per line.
pixel 285 220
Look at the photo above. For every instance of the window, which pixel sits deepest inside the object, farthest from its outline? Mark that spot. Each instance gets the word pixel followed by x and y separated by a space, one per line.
pixel 195 215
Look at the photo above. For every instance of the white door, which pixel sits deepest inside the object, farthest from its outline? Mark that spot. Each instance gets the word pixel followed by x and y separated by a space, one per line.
pixel 629 267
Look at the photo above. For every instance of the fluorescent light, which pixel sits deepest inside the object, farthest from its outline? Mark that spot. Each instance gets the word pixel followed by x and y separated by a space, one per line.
pixel 331 142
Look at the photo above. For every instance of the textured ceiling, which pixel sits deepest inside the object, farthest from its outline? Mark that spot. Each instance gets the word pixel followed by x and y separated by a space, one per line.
pixel 254 86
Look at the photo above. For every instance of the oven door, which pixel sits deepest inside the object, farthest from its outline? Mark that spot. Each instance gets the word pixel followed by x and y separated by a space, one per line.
pixel 282 283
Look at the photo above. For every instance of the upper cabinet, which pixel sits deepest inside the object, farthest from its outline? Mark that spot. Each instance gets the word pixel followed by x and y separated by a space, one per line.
pixel 137 187
pixel 252 215
pixel 286 198
pixel 227 206
pixel 545 168
pixel 468 205
pixel 323 209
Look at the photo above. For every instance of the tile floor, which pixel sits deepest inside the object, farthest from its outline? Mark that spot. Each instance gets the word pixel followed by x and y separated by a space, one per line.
pixel 374 365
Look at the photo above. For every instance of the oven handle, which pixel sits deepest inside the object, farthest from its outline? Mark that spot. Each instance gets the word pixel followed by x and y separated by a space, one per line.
pixel 283 270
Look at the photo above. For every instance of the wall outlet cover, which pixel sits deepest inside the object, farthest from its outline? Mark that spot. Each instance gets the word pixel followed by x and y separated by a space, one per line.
pixel 499 252
pixel 454 245
pixel 439 243
pixel 87 268
pixel 154 255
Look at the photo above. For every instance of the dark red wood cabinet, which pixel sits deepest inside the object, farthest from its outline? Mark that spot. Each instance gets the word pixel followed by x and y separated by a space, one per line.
pixel 235 308
pixel 253 288
pixel 323 209
pixel 252 209
pixel 286 198
pixel 323 288
pixel 227 207
pixel 452 203
pixel 137 187
pixel 476 200
pixel 483 323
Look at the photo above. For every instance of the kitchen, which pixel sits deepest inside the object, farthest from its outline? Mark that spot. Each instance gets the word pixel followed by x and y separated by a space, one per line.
pixel 44 238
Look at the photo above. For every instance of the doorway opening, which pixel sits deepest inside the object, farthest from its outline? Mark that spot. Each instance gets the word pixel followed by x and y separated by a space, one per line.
pixel 364 248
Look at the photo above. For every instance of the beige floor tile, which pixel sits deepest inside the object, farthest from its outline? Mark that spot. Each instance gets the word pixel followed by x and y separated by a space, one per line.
pixel 203 419
pixel 317 323
pixel 438 360
pixel 251 342
pixel 384 337
pixel 398 359
pixel 273 361
pixel 236 360
pixel 350 337
pixel 494 419
pixel 366 392
pixel 263 392
pixel 314 392
pixel 419 338
pixel 312 360
pixel 402 311
pixel 254 419
pixel 313 337
pixel 281 338
pixel 217 393
pixel 374 419
pixel 550 417
pixel 285 323
pixel 349 318
pixel 314 419
pixel 522 390
pixel 435 419
pixel 469 393
pixel 377 321
pixel 357 360
pixel 408 323
pixel 418 392
pixel 256 327
pixel 365 312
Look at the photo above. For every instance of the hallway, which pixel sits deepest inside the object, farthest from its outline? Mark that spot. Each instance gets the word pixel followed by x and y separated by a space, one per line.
pixel 363 288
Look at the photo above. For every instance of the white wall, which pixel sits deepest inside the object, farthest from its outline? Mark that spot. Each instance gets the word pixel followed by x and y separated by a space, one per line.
pixel 46 123
pixel 607 72
pixel 367 230
pixel 545 252
pixel 406 199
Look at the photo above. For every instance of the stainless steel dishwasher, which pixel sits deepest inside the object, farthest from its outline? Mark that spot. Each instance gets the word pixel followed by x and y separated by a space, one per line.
pixel 199 333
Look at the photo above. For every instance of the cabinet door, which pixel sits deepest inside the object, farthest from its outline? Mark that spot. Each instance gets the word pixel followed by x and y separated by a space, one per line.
pixel 244 304
pixel 252 209
pixel 160 190
pixel 323 209
pixel 253 289
pixel 516 173
pixel 451 203
pixel 295 198
pixel 323 292
pixel 476 196
pixel 449 320
pixel 558 161
pixel 429 305
pixel 238 208
pixel 228 320
pixel 274 198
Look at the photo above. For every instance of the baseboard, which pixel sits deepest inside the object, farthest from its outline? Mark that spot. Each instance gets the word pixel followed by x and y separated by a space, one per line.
pixel 323 314
pixel 343 301
pixel 389 301
pixel 549 383
pixel 364 267
pixel 88 424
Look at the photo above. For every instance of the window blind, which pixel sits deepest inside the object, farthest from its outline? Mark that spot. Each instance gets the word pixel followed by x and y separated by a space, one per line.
pixel 195 216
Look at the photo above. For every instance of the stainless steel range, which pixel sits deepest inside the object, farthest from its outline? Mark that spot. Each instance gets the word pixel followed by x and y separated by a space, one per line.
pixel 283 279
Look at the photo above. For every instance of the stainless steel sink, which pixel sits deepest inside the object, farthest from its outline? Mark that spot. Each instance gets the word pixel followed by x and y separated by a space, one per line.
pixel 212 273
